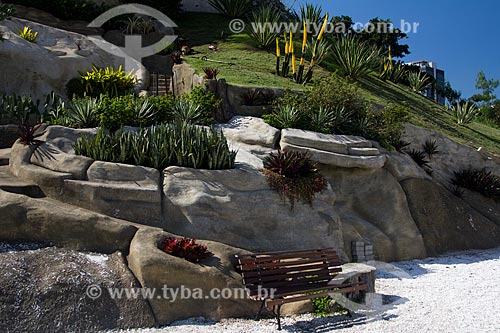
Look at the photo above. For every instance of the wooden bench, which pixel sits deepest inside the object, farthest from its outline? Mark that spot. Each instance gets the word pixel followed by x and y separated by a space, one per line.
pixel 277 278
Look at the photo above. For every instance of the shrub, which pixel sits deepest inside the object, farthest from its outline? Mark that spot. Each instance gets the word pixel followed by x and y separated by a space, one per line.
pixel 116 112
pixel 294 176
pixel 28 34
pixel 418 81
pixel 159 147
pixel 386 126
pixel 81 10
pixel 108 81
pixel 430 147
pixel 465 113
pixel 265 18
pixel 208 102
pixel 353 58
pixel 481 181
pixel 285 116
pixel 232 8
pixel 185 248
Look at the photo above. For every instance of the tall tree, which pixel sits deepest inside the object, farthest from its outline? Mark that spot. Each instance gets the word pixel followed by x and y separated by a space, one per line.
pixel 487 86
pixel 385 36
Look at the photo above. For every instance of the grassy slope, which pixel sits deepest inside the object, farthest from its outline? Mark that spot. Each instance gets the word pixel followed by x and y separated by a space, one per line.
pixel 253 67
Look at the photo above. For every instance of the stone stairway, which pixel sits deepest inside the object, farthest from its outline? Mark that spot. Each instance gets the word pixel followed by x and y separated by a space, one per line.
pixel 159 85
pixel 12 184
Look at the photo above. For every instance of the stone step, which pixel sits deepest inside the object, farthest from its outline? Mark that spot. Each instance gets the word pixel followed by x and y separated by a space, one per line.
pixel 339 160
pixel 12 184
pixel 363 151
pixel 4 156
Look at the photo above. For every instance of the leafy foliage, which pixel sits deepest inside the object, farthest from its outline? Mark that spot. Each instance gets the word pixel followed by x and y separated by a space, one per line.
pixel 481 181
pixel 264 19
pixel 108 81
pixel 28 34
pixel 185 248
pixel 285 116
pixel 353 58
pixel 294 176
pixel 116 112
pixel 178 144
pixel 18 108
pixel 232 8
pixel 6 11
pixel 465 113
pixel 386 126
pixel 82 113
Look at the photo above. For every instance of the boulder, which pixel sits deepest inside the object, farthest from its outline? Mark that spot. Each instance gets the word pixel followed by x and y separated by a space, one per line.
pixel 123 174
pixel 373 208
pixel 448 223
pixel 49 156
pixel 46 220
pixel 339 160
pixel 452 156
pixel 403 167
pixel 237 207
pixel 64 137
pixel 157 269
pixel 250 131
pixel 44 290
pixel 326 142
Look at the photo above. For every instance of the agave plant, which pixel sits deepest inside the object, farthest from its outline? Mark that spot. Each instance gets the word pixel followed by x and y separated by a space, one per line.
pixel 481 181
pixel 418 81
pixel 287 116
pixel 82 113
pixel 322 50
pixel 353 58
pixel 394 74
pixel 465 113
pixel 232 8
pixel 186 111
pixel 260 27
pixel 310 13
pixel 321 120
pixel 145 112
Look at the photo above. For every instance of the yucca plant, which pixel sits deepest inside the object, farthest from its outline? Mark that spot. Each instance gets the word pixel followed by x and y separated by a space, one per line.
pixel 354 59
pixel 145 112
pixel 321 120
pixel 465 113
pixel 28 34
pixel 294 176
pixel 481 181
pixel 232 8
pixel 285 116
pixel 395 73
pixel 418 81
pixel 310 13
pixel 81 112
pixel 260 26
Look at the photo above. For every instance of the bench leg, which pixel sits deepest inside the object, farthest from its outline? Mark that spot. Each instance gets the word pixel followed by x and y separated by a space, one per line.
pixel 278 317
pixel 260 310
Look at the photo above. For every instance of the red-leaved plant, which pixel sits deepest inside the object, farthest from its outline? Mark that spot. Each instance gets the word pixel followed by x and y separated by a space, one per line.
pixel 29 133
pixel 211 73
pixel 186 248
pixel 294 176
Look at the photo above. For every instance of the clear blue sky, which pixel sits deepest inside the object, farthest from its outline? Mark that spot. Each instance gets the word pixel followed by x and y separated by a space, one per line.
pixel 463 37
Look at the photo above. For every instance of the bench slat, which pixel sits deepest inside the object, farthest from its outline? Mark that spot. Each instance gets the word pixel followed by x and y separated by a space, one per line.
pixel 284 270
pixel 264 260
pixel 292 299
pixel 290 263
pixel 286 275
pixel 284 255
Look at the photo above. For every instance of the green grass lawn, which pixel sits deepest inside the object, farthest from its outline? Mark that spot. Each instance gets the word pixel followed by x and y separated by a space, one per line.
pixel 243 64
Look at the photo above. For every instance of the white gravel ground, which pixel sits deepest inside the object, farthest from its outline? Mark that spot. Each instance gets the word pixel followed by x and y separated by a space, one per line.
pixel 456 294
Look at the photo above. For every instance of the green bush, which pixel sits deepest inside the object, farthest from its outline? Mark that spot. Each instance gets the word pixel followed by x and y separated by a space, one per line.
pixel 386 126
pixel 108 81
pixel 159 147
pixel 6 11
pixel 116 112
pixel 81 10
pixel 208 102
pixel 18 108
